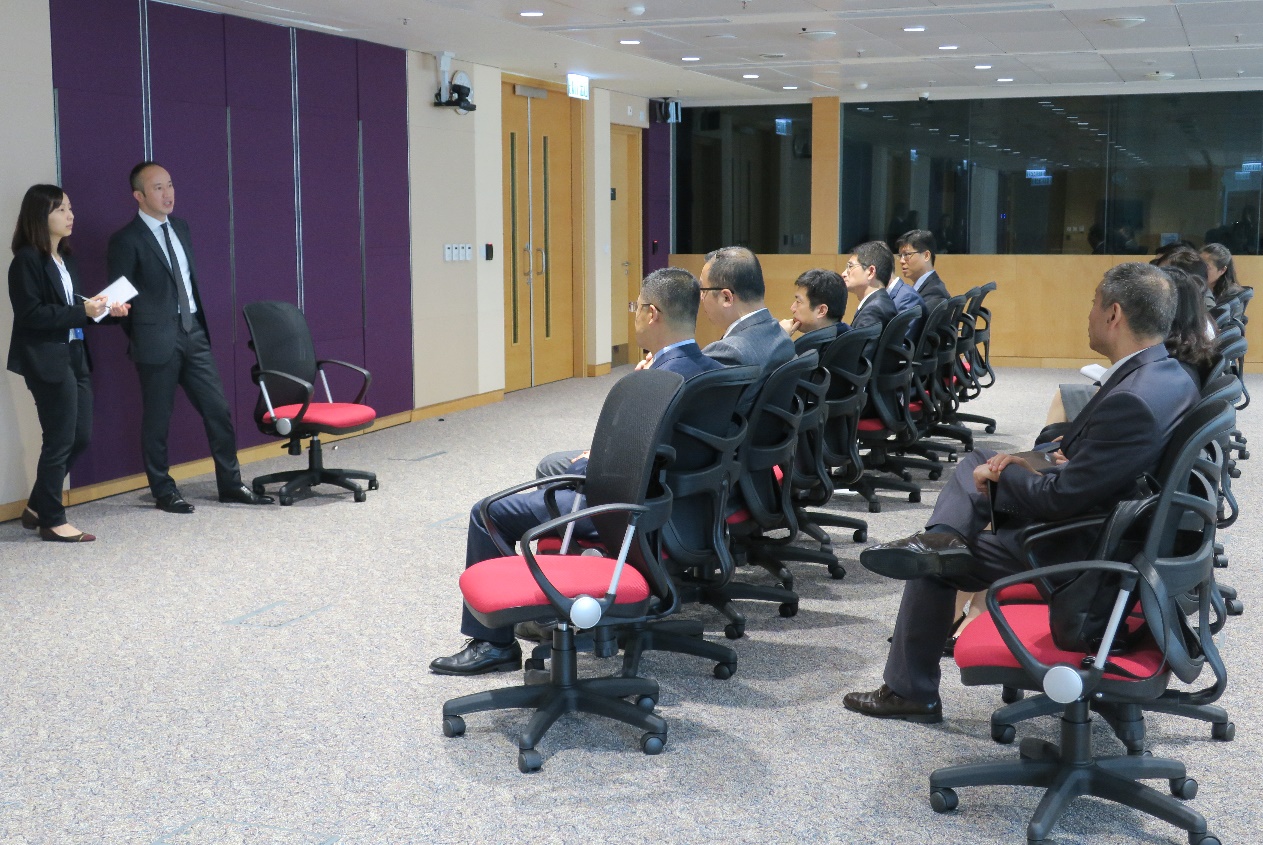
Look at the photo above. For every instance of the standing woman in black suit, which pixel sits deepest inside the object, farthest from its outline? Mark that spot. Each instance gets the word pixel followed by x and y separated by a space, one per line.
pixel 48 351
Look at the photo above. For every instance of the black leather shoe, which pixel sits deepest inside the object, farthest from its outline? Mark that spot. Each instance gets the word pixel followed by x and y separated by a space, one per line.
pixel 884 703
pixel 479 657
pixel 173 503
pixel 30 519
pixel 532 630
pixel 243 495
pixel 927 553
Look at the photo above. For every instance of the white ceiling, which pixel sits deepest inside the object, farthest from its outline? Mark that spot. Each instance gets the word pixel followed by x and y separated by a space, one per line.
pixel 1046 47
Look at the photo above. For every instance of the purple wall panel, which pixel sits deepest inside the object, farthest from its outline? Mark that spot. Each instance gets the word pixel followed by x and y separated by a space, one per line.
pixel 257 74
pixel 190 138
pixel 329 144
pixel 100 137
pixel 388 284
pixel 656 182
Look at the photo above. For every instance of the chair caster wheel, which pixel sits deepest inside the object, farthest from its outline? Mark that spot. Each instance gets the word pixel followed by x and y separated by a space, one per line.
pixel 733 631
pixel 936 474
pixel 1003 734
pixel 914 497
pixel 1234 607
pixel 534 664
pixel 1185 788
pixel 874 507
pixel 653 743
pixel 361 496
pixel 258 489
pixel 724 671
pixel 286 500
pixel 860 536
pixel 990 429
pixel 1223 731
pixel 943 800
pixel 1009 695
pixel 646 703
pixel 836 572
pixel 453 726
pixel 789 609
pixel 951 458
pixel 529 760
pixel 906 476
pixel 1245 454
pixel 1207 839
pixel 372 484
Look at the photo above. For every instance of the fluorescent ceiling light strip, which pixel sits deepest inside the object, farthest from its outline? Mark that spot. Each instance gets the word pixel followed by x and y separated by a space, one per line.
pixel 920 12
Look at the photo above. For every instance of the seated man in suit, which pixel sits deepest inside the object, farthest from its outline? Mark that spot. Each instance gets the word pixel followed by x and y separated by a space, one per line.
pixel 866 274
pixel 1118 437
pixel 666 314
pixel 905 297
pixel 818 306
pixel 916 261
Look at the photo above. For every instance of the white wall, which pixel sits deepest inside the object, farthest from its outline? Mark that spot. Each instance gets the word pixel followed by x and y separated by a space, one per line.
pixel 28 139
pixel 596 139
pixel 456 197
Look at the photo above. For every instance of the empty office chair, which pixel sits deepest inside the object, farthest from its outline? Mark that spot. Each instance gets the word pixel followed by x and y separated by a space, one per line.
pixel 628 504
pixel 285 372
pixel 887 424
pixel 1014 645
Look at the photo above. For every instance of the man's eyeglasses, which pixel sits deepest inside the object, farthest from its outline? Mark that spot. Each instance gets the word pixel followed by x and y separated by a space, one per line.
pixel 906 254
pixel 635 305
pixel 853 264
pixel 704 290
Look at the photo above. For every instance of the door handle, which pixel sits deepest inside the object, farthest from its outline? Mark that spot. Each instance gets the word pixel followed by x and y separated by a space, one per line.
pixel 543 262
pixel 527 272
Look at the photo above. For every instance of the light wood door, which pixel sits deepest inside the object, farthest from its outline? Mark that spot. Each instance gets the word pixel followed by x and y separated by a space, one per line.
pixel 538 279
pixel 625 240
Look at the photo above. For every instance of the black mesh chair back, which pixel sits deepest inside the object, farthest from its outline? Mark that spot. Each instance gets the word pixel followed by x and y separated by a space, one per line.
pixel 849 375
pixel 282 344
pixel 890 390
pixel 770 442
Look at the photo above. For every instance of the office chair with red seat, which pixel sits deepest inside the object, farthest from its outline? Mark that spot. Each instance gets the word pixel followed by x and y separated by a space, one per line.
pixel 285 372
pixel 1016 646
pixel 887 424
pixel 628 503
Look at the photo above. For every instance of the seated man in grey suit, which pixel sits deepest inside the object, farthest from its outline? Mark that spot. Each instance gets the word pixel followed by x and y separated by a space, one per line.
pixel 1118 437
pixel 666 314
pixel 867 273
pixel 916 261
pixel 818 306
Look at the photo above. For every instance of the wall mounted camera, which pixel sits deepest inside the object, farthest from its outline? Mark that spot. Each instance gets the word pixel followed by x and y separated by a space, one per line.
pixel 455 89
pixel 924 96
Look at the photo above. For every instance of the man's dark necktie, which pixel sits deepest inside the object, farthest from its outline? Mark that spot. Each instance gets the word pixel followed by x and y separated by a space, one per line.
pixel 186 309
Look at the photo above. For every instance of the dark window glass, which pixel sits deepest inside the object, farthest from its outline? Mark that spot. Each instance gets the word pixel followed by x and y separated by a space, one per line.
pixel 743 177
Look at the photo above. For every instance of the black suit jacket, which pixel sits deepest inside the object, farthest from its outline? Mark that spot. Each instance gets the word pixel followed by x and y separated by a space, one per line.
pixel 759 340
pixel 933 291
pixel 39 346
pixel 151 326
pixel 877 310
pixel 686 360
pixel 1120 435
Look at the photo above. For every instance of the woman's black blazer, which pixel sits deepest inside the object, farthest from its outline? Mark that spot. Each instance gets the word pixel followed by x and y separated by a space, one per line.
pixel 42 319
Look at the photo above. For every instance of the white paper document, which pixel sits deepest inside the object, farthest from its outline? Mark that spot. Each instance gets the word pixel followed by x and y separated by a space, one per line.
pixel 116 293
pixel 1092 371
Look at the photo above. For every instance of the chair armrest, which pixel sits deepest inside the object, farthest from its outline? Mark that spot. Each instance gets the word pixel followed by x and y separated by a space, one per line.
pixel 587 617
pixel 258 374
pixel 484 506
pixel 368 377
pixel 1089 675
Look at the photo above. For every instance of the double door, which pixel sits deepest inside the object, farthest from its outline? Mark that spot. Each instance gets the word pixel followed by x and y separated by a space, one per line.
pixel 538 277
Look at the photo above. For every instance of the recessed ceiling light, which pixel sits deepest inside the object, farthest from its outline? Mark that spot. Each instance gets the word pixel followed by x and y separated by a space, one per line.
pixel 790 87
pixel 722 35
pixel 817 34
pixel 690 59
pixel 531 14
pixel 949 47
pixel 982 67
pixel 1005 79
pixel 1124 23
pixel 914 29
pixel 749 76
pixel 1156 75
pixel 771 55
pixel 1082 123
pixel 629 42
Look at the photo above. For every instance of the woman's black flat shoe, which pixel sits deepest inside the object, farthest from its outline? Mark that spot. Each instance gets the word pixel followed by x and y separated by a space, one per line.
pixel 53 537
pixel 30 519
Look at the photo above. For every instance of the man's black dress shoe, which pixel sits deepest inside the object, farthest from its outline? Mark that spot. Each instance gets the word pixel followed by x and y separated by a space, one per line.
pixel 479 657
pixel 532 630
pixel 173 503
pixel 927 553
pixel 243 495
pixel 884 703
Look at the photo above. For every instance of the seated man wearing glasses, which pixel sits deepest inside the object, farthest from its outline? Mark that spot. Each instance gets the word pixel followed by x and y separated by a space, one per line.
pixel 666 314
pixel 916 261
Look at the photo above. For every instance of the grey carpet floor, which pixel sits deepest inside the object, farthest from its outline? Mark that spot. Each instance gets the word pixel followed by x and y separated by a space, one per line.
pixel 257 676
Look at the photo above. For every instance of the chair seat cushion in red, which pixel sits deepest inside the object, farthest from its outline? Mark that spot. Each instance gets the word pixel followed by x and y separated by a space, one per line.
pixel 980 644
pixel 870 424
pixel 1025 593
pixel 505 583
pixel 328 415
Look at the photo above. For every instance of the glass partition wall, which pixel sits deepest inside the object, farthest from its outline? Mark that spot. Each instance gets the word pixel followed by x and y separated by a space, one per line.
pixel 1056 175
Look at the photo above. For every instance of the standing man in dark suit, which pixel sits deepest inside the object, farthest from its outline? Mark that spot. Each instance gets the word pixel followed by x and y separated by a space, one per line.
pixel 732 298
pixel 916 261
pixel 867 272
pixel 169 342
pixel 666 314
pixel 1120 435
pixel 818 307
